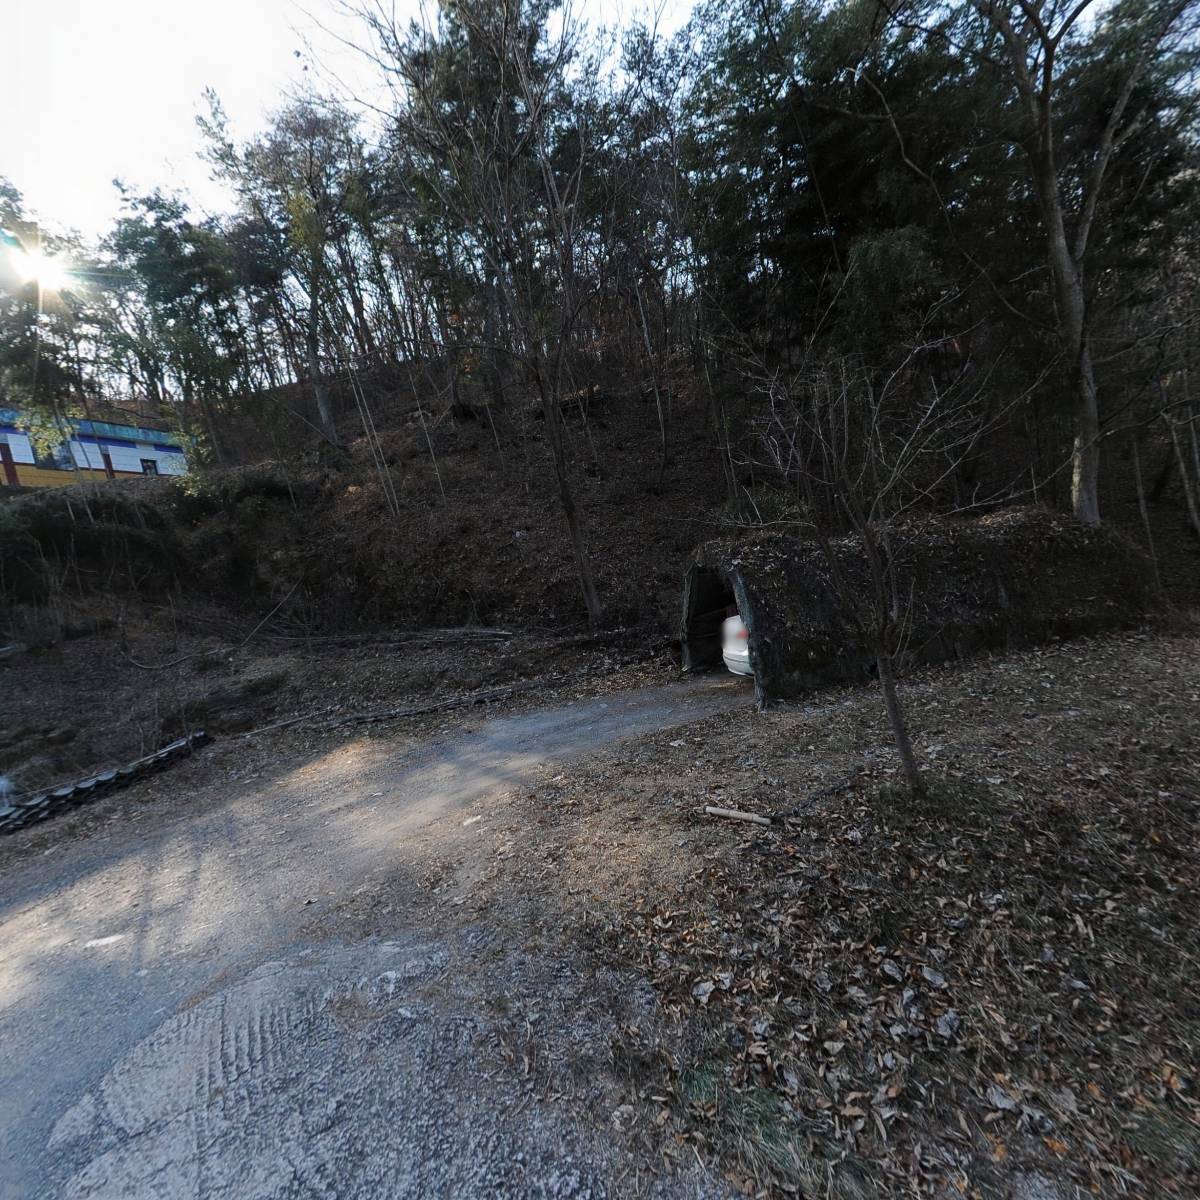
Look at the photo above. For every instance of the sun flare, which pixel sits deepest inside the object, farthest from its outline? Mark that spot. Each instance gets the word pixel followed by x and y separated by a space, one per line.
pixel 35 267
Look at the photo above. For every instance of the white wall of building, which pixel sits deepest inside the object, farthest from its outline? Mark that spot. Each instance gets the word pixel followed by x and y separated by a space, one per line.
pixel 127 458
pixel 20 446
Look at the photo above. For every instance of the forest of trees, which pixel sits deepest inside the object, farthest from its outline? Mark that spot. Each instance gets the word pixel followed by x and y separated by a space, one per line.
pixel 976 220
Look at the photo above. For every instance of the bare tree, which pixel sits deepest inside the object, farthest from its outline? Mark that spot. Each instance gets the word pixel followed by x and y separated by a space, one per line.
pixel 492 136
pixel 1033 33
pixel 297 177
pixel 863 454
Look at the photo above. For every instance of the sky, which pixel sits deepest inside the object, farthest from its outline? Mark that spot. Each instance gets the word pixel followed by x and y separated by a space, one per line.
pixel 92 90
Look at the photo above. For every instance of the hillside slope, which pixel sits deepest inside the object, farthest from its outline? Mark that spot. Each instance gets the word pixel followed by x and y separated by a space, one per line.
pixel 478 536
pixel 154 607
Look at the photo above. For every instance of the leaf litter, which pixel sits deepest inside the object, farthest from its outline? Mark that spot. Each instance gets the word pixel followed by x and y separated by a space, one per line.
pixel 946 995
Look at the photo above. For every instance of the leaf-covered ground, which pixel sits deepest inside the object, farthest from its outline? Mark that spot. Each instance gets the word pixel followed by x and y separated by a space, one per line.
pixel 991 991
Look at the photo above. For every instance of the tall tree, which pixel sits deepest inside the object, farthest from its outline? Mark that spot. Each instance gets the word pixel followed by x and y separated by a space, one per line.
pixel 1043 59
pixel 493 131
pixel 298 178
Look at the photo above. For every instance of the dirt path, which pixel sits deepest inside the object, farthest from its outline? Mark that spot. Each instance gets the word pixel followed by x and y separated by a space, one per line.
pixel 167 1030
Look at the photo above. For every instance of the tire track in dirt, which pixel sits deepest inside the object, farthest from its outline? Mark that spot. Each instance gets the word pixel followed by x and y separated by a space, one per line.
pixel 100 945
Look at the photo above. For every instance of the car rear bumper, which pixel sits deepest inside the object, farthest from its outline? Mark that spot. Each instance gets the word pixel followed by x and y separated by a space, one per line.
pixel 738 661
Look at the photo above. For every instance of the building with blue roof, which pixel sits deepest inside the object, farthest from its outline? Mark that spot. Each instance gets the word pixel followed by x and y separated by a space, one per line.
pixel 88 451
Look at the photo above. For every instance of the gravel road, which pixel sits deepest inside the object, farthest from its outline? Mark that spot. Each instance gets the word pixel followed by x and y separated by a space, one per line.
pixel 166 1030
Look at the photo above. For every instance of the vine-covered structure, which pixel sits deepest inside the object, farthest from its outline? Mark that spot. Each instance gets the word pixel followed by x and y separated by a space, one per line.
pixel 959 587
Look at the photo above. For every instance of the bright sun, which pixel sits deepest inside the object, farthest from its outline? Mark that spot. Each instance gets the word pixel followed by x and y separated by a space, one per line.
pixel 51 273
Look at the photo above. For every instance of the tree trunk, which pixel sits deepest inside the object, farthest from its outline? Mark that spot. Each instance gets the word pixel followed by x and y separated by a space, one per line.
pixel 313 346
pixel 353 288
pixel 1085 455
pixel 494 377
pixel 891 701
pixel 553 415
pixel 1144 510
pixel 1071 311
pixel 652 363
pixel 286 335
pixel 384 286
pixel 1164 476
pixel 1189 486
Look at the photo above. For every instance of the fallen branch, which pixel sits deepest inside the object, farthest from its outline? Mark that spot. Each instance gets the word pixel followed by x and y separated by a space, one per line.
pixel 735 814
pixel 842 785
pixel 210 653
pixel 309 716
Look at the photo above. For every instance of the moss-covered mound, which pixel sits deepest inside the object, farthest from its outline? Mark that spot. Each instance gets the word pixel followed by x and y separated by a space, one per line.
pixel 1010 579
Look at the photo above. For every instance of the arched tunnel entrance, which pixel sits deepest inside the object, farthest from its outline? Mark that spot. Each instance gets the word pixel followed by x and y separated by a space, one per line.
pixel 709 596
pixel 1012 578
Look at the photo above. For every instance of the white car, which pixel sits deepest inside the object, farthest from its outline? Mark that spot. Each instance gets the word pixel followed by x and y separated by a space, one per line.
pixel 735 645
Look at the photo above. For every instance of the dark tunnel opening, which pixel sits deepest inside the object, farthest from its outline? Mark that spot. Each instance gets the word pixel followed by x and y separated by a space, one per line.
pixel 708 600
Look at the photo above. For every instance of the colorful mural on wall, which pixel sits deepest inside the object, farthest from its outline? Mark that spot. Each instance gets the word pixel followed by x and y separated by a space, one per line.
pixel 86 451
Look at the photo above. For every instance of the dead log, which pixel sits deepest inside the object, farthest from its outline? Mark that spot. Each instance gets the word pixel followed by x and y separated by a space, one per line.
pixel 735 814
